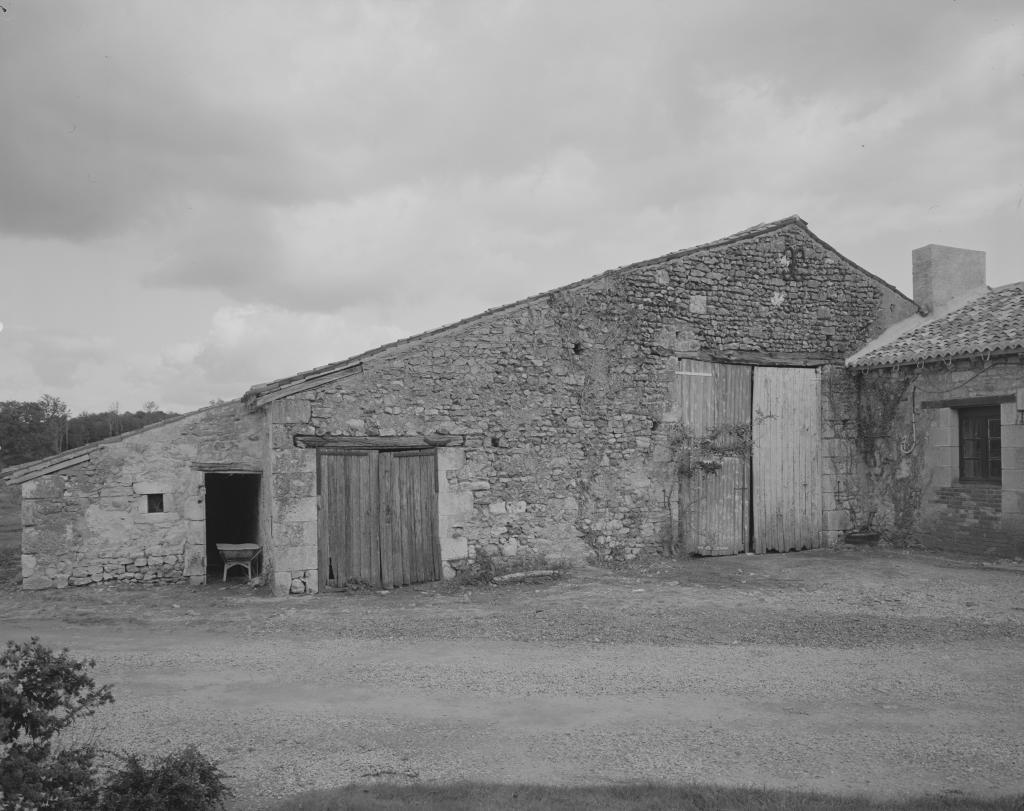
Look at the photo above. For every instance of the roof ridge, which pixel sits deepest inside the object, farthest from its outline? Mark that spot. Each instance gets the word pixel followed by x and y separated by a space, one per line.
pixel 747 233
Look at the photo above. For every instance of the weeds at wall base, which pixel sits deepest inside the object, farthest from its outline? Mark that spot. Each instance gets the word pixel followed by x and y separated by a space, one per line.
pixel 484 568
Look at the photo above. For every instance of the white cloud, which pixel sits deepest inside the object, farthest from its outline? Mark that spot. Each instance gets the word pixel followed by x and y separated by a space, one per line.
pixel 251 344
pixel 375 169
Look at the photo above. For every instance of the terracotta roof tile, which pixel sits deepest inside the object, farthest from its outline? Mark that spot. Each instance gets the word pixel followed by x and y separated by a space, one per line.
pixel 992 324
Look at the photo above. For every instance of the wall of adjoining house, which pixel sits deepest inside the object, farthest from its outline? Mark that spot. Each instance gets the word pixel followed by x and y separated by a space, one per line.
pixel 845 503
pixel 89 523
pixel 963 516
pixel 898 470
pixel 563 402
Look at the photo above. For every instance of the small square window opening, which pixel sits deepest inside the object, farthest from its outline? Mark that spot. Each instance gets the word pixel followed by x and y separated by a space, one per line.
pixel 155 503
pixel 980 445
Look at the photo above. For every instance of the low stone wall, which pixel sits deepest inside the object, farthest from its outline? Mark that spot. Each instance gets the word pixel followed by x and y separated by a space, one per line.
pixel 136 565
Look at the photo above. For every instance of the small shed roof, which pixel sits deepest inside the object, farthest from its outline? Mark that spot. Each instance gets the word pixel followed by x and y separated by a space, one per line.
pixel 17 474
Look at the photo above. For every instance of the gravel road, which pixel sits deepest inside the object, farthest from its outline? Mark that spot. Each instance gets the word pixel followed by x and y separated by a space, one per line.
pixel 851 671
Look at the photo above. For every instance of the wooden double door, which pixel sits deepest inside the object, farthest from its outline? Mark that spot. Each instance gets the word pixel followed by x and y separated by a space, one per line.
pixel 377 517
pixel 767 498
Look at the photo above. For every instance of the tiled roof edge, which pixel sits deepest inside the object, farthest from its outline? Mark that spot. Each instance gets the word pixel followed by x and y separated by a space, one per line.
pixel 19 471
pixel 263 389
pixel 875 358
pixel 933 359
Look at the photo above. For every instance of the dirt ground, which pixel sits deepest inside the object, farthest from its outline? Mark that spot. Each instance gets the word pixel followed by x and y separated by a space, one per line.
pixel 850 671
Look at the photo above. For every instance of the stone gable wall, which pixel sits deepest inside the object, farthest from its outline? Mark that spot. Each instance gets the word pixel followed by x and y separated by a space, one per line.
pixel 563 400
pixel 752 296
pixel 89 523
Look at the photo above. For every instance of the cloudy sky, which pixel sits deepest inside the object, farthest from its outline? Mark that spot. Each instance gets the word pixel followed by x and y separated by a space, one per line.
pixel 197 197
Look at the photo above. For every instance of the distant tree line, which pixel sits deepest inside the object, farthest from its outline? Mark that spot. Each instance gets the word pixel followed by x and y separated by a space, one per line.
pixel 32 430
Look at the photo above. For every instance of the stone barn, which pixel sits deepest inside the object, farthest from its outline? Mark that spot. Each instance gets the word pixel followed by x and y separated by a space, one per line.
pixel 940 407
pixel 672 405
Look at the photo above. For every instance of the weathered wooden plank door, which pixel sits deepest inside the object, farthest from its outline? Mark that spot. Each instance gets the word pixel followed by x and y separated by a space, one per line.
pixel 378 517
pixel 714 506
pixel 786 459
pixel 410 549
pixel 347 518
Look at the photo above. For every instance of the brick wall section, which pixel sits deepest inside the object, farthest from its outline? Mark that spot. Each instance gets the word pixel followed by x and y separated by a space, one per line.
pixel 88 523
pixel 972 520
pixel 563 400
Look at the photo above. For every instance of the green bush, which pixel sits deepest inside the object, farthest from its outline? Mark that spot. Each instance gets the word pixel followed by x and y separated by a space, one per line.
pixel 41 694
pixel 183 781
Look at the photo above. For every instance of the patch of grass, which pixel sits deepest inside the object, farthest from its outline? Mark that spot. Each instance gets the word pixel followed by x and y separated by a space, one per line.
pixel 355 584
pixel 465 796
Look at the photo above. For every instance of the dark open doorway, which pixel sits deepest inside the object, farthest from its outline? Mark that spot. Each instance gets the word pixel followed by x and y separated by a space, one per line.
pixel 232 516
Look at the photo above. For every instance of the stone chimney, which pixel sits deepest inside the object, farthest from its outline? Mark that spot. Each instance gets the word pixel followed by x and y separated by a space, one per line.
pixel 942 274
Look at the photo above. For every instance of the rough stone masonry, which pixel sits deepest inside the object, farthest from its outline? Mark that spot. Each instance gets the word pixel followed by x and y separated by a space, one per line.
pixel 562 402
pixel 558 409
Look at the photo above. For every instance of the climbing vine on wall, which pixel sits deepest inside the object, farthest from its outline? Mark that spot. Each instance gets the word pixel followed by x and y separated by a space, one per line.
pixel 694 453
pixel 876 483
pixel 878 400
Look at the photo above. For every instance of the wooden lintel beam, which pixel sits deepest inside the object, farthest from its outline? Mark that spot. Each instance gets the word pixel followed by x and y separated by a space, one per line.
pixel 224 467
pixel 378 442
pixel 760 358
pixel 969 402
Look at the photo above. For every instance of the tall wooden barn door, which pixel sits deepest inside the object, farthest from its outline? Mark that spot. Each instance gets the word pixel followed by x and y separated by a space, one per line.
pixel 378 517
pixel 408 518
pixel 714 507
pixel 786 459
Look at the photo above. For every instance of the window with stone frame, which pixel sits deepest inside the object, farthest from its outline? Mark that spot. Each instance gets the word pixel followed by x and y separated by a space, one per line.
pixel 980 445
